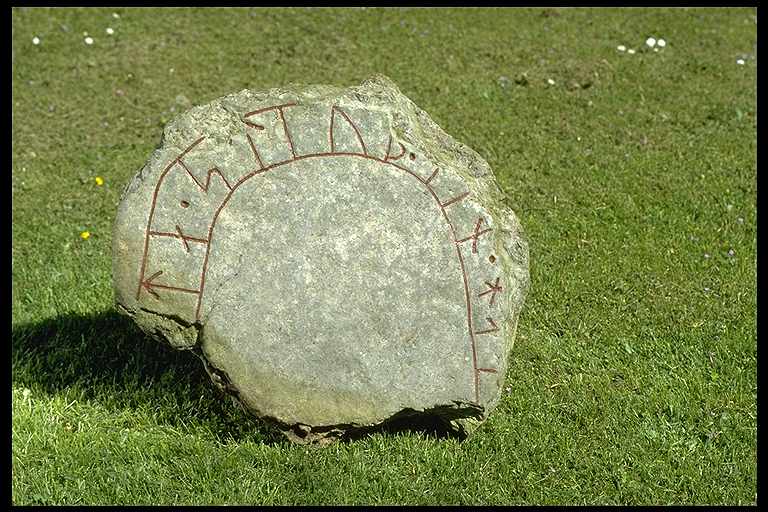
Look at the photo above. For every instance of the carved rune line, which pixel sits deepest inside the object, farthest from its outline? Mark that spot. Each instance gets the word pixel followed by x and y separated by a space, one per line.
pixel 210 173
pixel 476 235
pixel 432 176
pixel 454 200
pixel 493 289
pixel 495 327
pixel 148 285
pixel 390 158
pixel 332 144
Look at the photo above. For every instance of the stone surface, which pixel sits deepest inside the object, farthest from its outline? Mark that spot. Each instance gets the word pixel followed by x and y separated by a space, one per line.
pixel 336 260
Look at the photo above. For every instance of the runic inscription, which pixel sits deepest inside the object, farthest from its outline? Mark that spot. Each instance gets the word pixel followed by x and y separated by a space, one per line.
pixel 336 116
pixel 320 236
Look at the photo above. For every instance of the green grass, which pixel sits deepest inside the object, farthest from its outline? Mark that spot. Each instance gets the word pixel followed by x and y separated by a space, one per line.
pixel 633 379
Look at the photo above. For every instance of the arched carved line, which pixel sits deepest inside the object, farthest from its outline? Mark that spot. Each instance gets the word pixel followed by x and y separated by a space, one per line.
pixel 421 180
pixel 262 169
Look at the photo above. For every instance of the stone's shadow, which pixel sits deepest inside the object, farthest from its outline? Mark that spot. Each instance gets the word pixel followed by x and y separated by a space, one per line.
pixel 430 426
pixel 107 358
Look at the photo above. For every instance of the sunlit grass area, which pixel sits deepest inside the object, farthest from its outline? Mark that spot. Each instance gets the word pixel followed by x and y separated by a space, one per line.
pixel 633 377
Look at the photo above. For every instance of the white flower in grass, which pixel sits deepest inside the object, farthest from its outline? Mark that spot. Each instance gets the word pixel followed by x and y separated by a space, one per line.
pixel 661 43
pixel 88 40
pixel 740 62
pixel 110 30
pixel 35 40
pixel 631 51
pixel 115 15
pixel 621 48
pixel 650 42
pixel 550 81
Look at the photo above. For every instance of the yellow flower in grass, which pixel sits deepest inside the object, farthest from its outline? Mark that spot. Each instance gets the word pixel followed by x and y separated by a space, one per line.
pixel 99 180
pixel 85 235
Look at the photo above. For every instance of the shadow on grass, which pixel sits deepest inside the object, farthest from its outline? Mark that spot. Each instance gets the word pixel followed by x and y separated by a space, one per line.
pixel 106 358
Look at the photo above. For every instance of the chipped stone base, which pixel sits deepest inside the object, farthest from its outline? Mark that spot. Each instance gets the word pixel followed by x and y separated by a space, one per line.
pixel 457 420
pixel 174 331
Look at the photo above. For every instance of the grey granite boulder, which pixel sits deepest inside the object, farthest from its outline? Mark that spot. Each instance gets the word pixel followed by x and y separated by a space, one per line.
pixel 336 260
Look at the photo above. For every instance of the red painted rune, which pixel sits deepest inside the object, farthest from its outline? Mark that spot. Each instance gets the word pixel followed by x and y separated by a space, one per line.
pixel 493 289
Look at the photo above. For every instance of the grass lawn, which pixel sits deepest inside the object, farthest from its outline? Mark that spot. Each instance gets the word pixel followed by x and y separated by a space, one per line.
pixel 633 378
